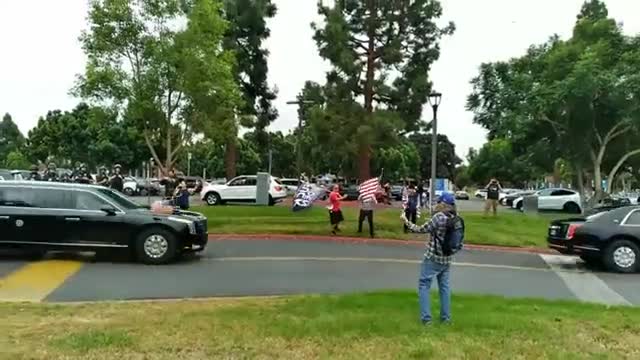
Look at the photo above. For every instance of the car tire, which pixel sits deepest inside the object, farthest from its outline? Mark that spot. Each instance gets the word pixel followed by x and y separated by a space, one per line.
pixel 622 256
pixel 212 199
pixel 572 208
pixel 519 206
pixel 128 191
pixel 156 246
pixel 271 201
pixel 144 192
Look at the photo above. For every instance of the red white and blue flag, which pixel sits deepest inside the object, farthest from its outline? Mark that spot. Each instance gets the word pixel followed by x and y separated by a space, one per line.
pixel 369 188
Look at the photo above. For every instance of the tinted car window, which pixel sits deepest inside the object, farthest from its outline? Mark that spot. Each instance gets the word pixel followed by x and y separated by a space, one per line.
pixel 35 198
pixel 120 200
pixel 238 182
pixel 83 200
pixel 633 219
pixel 562 193
pixel 251 182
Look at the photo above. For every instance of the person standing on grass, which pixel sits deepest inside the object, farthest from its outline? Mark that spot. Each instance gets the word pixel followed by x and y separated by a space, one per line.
pixel 446 235
pixel 493 195
pixel 420 191
pixel 411 209
pixel 335 213
pixel 367 204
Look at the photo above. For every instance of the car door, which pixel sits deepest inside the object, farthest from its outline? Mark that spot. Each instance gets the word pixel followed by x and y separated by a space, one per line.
pixel 558 198
pixel 233 190
pixel 35 218
pixel 544 199
pixel 249 189
pixel 89 224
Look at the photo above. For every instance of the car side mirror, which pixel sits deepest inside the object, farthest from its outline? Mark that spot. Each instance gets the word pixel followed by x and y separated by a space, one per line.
pixel 109 210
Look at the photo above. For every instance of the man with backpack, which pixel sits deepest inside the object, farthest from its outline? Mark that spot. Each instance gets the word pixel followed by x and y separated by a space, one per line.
pixel 446 230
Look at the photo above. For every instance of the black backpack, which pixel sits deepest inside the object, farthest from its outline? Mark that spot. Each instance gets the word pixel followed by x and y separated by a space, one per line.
pixel 454 237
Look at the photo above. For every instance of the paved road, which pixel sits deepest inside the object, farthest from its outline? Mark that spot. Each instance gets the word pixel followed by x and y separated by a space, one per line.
pixel 261 267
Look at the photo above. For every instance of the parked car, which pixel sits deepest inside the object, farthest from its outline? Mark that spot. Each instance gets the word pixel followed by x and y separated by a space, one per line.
pixel 611 238
pixel 508 199
pixel 554 199
pixel 462 195
pixel 241 189
pixel 195 184
pixel 608 204
pixel 130 186
pixel 481 194
pixel 290 184
pixel 39 216
pixel 396 192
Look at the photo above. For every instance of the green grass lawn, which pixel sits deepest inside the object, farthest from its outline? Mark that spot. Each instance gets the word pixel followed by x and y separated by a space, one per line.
pixel 507 229
pixel 361 326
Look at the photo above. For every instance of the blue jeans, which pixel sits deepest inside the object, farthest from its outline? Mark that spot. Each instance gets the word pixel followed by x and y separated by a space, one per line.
pixel 428 270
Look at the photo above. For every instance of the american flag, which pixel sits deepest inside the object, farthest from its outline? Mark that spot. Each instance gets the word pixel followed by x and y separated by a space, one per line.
pixel 369 188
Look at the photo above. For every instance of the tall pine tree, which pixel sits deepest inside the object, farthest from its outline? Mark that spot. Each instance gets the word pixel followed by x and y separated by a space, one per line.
pixel 367 41
pixel 245 36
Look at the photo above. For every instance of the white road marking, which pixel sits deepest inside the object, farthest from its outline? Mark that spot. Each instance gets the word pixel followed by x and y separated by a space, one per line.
pixel 385 260
pixel 585 286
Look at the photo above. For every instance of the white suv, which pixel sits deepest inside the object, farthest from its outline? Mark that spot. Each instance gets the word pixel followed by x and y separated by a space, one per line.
pixel 554 199
pixel 241 189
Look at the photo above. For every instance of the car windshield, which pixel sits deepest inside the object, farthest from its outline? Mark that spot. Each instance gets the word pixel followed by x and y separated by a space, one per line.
pixel 119 199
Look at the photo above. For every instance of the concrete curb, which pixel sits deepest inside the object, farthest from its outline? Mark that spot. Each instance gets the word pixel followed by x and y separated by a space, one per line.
pixel 359 240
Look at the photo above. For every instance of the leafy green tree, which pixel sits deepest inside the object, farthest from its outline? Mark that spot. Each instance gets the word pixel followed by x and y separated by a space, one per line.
pixel 462 179
pixel 17 160
pixel 496 159
pixel 368 41
pixel 245 36
pixel 11 139
pixel 572 98
pixel 173 81
pixel 399 162
pixel 91 135
pixel 446 157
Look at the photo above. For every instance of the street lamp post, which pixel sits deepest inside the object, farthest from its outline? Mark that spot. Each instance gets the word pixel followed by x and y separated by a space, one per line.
pixel 299 135
pixel 434 100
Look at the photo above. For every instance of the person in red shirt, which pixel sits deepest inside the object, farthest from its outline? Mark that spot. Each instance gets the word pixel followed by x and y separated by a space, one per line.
pixel 335 213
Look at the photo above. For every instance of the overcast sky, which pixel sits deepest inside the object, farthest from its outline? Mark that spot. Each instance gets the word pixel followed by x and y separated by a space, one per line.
pixel 40 54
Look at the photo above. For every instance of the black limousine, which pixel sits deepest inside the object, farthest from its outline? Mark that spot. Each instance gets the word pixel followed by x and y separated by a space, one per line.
pixel 609 237
pixel 42 216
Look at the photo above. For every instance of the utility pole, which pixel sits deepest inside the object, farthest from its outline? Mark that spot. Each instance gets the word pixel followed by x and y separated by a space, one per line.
pixel 300 103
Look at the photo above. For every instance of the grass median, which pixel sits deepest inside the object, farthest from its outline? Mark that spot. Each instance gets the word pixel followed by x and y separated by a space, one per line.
pixel 361 326
pixel 507 229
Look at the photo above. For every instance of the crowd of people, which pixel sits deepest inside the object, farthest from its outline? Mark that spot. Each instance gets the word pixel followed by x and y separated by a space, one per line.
pixel 176 190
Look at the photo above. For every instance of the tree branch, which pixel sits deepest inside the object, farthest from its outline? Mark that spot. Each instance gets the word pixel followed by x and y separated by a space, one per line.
pixel 615 169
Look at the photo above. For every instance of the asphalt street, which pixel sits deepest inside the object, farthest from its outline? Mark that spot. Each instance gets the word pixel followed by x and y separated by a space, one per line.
pixel 276 267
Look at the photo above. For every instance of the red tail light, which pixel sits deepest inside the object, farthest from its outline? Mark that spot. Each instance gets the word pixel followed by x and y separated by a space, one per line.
pixel 278 188
pixel 572 230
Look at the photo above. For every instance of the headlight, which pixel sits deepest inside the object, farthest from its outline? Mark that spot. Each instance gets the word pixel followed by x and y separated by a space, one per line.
pixel 191 224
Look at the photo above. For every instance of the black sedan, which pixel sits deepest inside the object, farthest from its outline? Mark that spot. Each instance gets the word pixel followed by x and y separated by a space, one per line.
pixel 610 237
pixel 41 216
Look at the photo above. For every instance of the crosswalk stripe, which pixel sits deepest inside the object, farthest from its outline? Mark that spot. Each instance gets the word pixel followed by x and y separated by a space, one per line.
pixel 35 281
pixel 585 286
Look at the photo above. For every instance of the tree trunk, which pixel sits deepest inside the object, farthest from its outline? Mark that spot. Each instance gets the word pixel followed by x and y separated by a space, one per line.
pixel 580 178
pixel 615 169
pixel 230 158
pixel 364 153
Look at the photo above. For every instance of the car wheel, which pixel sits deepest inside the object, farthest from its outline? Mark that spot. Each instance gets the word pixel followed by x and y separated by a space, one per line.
pixel 156 246
pixel 519 206
pixel 572 208
pixel 144 192
pixel 212 199
pixel 271 201
pixel 128 191
pixel 622 256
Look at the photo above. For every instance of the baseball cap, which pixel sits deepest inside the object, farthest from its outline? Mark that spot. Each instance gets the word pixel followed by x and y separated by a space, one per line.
pixel 447 198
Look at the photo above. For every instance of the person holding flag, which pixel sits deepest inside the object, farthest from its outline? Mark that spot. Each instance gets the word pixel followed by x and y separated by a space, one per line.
pixel 367 199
